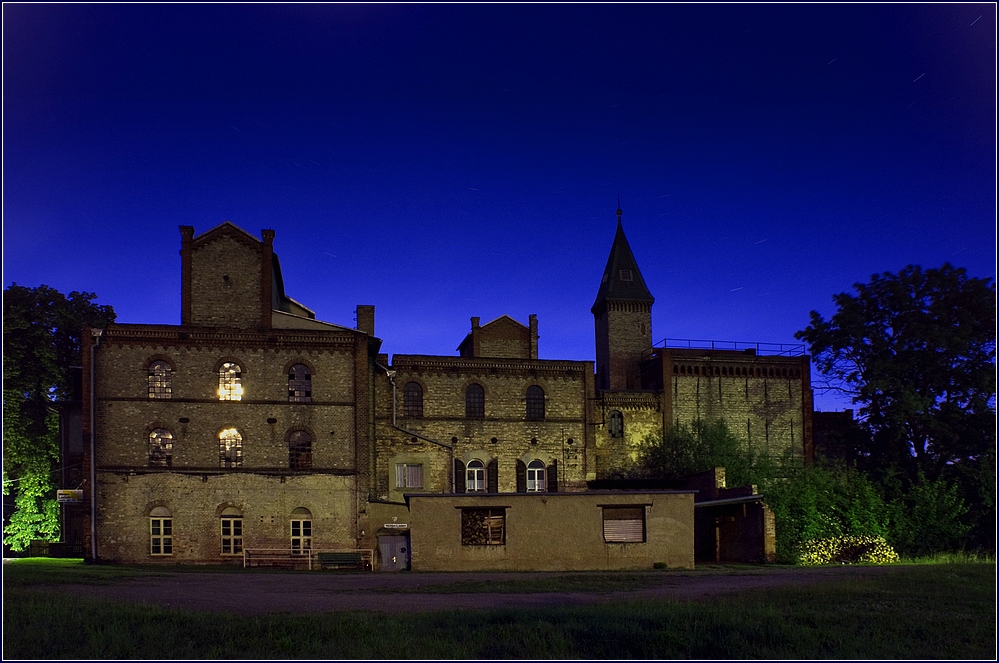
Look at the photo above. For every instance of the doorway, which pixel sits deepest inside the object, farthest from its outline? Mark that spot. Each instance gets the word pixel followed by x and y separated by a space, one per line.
pixel 394 552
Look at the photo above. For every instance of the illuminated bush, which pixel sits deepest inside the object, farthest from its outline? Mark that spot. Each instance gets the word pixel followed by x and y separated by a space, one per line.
pixel 847 550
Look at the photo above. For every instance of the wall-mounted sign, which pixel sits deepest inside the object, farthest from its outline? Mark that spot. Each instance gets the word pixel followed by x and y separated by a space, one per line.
pixel 396 526
pixel 69 496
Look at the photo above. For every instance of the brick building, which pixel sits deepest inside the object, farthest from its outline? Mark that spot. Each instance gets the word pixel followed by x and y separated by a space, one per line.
pixel 252 425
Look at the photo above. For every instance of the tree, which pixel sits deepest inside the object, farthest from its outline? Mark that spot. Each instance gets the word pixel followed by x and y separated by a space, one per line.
pixel 916 350
pixel 684 450
pixel 41 342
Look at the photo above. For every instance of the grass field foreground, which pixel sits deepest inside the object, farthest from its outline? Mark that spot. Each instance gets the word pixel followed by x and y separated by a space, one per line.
pixel 942 611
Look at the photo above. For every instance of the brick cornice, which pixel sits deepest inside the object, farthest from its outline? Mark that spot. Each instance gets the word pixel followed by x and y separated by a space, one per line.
pixel 272 338
pixel 418 363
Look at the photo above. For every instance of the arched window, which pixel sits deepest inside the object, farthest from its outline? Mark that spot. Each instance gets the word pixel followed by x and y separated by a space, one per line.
pixel 475 477
pixel 160 531
pixel 160 448
pixel 299 384
pixel 301 531
pixel 160 380
pixel 230 382
pixel 412 400
pixel 615 424
pixel 232 531
pixel 536 476
pixel 230 448
pixel 300 450
pixel 475 402
pixel 535 403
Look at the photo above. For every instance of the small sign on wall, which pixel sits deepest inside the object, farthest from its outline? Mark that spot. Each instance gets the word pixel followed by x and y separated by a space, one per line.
pixel 74 496
pixel 396 526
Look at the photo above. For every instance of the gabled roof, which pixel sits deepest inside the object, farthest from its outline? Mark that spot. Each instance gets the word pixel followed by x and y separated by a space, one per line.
pixel 227 229
pixel 622 280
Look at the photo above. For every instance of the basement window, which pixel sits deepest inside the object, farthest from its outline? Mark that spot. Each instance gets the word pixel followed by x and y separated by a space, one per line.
pixel 624 524
pixel 483 527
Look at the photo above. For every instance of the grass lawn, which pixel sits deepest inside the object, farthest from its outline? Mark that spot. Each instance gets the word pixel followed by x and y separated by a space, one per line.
pixel 940 611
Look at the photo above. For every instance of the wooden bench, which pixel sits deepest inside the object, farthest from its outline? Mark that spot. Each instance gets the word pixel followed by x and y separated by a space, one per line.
pixel 342 560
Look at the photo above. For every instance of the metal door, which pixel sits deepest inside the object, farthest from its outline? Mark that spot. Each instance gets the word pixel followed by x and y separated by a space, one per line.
pixel 394 552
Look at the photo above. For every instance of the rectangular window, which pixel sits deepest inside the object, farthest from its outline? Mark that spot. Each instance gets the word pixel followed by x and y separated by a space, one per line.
pixel 624 524
pixel 408 476
pixel 232 536
pixel 301 536
pixel 160 536
pixel 483 527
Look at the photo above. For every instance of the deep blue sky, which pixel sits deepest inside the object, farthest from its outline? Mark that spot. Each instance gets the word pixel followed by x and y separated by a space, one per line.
pixel 449 161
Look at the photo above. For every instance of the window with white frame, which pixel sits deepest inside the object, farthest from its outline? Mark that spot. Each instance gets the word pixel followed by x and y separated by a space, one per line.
pixel 230 382
pixel 230 448
pixel 624 524
pixel 160 531
pixel 536 472
pixel 301 531
pixel 160 448
pixel 475 477
pixel 408 475
pixel 231 524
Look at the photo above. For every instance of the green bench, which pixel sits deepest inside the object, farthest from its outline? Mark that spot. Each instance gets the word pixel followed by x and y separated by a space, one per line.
pixel 342 560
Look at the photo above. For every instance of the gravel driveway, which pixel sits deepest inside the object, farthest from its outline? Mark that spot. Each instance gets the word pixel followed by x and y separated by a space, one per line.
pixel 317 592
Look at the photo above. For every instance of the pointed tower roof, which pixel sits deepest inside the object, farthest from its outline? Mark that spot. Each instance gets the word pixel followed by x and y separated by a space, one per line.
pixel 622 281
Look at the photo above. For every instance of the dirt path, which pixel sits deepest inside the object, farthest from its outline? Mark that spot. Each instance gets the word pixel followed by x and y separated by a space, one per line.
pixel 260 593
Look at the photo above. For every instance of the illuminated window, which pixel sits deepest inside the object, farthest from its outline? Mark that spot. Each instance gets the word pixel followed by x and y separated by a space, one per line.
pixel 232 531
pixel 475 402
pixel 483 527
pixel 412 400
pixel 624 524
pixel 301 531
pixel 475 477
pixel 160 380
pixel 300 451
pixel 160 531
pixel 536 477
pixel 230 448
pixel 615 424
pixel 408 476
pixel 160 448
pixel 299 384
pixel 535 403
pixel 230 382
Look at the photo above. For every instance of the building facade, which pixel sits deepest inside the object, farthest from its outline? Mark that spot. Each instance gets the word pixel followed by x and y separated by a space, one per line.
pixel 252 425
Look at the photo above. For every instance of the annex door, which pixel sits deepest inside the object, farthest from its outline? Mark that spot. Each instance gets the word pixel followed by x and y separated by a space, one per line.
pixel 394 552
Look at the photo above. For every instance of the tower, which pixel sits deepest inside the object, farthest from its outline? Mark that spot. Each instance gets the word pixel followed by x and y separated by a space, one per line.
pixel 622 318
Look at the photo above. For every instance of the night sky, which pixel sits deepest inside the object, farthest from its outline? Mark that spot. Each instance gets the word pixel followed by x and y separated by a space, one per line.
pixel 449 161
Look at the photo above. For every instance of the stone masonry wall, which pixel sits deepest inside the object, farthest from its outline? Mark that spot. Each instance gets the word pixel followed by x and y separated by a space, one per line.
pixel 225 284
pixel 196 502
pixel 505 384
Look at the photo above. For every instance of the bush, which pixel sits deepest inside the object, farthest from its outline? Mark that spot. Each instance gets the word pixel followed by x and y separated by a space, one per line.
pixel 847 550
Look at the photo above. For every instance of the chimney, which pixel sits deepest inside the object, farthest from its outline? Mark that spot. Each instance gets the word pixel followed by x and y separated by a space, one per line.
pixel 475 336
pixel 532 322
pixel 366 319
pixel 186 236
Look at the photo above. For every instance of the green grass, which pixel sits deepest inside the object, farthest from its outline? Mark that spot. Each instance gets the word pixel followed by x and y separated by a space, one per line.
pixel 909 612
